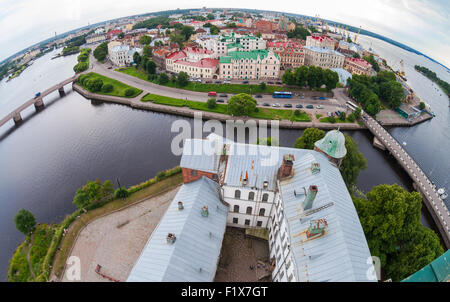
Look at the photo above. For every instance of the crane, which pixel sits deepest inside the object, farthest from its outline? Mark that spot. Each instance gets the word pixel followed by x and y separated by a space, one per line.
pixel 356 37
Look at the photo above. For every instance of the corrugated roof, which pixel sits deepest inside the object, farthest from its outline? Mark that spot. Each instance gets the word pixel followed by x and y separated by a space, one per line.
pixel 194 256
pixel 436 271
pixel 199 154
pixel 342 253
pixel 323 50
pixel 251 55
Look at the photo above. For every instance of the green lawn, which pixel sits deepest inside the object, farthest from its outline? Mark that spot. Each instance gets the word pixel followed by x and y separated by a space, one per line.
pixel 118 87
pixel 338 120
pixel 262 113
pixel 202 87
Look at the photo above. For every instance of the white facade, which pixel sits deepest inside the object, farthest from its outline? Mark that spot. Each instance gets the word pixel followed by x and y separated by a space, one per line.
pixel 220 45
pixel 323 57
pixel 122 55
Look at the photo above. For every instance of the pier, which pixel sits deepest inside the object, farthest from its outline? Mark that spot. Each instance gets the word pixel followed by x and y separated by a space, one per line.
pixel 36 101
pixel 435 205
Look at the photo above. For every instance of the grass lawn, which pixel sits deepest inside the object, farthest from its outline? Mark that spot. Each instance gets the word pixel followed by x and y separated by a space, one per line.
pixel 68 240
pixel 118 87
pixel 262 113
pixel 338 120
pixel 203 87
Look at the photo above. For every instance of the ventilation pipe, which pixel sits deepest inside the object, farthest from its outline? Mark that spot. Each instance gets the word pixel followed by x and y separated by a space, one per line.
pixel 311 195
pixel 180 206
pixel 205 211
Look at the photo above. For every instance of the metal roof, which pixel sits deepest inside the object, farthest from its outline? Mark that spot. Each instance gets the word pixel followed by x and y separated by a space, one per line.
pixel 342 253
pixel 436 271
pixel 333 144
pixel 199 154
pixel 194 255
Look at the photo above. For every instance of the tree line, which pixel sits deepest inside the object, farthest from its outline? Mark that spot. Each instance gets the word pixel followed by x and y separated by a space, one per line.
pixel 311 76
pixel 432 76
pixel 368 91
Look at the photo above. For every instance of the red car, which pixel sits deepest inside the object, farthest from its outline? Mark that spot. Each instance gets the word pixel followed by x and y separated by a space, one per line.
pixel 212 93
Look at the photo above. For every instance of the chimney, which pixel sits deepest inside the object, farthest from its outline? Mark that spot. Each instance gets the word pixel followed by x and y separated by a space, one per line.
pixel 287 166
pixel 180 206
pixel 265 184
pixel 310 196
pixel 205 211
pixel 171 238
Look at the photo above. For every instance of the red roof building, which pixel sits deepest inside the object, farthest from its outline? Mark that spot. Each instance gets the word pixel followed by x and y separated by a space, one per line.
pixel 357 66
pixel 321 41
pixel 291 53
pixel 113 33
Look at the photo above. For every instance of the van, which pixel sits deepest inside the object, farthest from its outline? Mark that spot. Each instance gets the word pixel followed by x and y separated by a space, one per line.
pixel 212 93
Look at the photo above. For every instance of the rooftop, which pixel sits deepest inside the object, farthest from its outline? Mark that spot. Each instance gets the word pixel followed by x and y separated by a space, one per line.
pixel 323 50
pixel 251 55
pixel 203 63
pixel 359 61
pixel 195 253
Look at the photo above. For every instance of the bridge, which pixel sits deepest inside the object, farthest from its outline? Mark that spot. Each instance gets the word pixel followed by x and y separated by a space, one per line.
pixel 435 205
pixel 37 101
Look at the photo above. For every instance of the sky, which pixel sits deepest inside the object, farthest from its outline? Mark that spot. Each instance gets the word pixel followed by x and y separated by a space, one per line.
pixel 422 25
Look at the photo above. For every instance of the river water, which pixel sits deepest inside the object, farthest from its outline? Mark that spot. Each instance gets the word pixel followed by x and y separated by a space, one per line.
pixel 45 159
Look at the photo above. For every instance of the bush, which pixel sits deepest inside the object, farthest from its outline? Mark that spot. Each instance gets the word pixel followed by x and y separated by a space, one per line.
pixel 342 116
pixel 107 88
pixel 332 119
pixel 94 85
pixel 297 112
pixel 422 106
pixel 129 92
pixel 262 86
pixel 161 175
pixel 80 67
pixel 121 193
pixel 351 117
pixel 241 104
pixel 163 78
pixel 211 103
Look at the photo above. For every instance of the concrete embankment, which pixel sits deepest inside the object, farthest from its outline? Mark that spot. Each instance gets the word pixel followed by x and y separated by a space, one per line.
pixel 184 111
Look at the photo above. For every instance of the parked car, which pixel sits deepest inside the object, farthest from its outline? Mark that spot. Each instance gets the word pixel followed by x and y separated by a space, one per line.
pixel 110 67
pixel 244 82
pixel 279 83
pixel 276 105
pixel 218 82
pixel 212 93
pixel 220 101
pixel 207 82
pixel 266 104
pixel 223 95
pixel 319 106
pixel 270 83
pixel 323 98
pixel 258 96
pixel 310 106
pixel 329 113
pixel 287 105
pixel 302 96
pixel 315 97
pixel 299 106
pixel 337 113
pixel 227 82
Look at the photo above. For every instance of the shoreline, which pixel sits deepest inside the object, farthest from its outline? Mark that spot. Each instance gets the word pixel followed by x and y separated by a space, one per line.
pixel 137 104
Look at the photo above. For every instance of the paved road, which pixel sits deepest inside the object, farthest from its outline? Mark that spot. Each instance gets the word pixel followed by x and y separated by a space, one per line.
pixel 436 206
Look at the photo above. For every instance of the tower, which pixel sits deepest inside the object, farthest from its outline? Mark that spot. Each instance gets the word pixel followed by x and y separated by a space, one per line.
pixel 333 146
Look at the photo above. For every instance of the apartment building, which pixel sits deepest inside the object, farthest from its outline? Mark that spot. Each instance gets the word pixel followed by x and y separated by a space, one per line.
pixel 250 65
pixel 323 57
pixel 222 44
pixel 321 41
pixel 291 53
pixel 358 66
pixel 196 62
pixel 96 38
pixel 122 55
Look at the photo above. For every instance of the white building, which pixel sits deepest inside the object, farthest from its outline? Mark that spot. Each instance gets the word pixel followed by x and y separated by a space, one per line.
pixel 323 57
pixel 196 62
pixel 122 55
pixel 320 41
pixel 96 38
pixel 222 44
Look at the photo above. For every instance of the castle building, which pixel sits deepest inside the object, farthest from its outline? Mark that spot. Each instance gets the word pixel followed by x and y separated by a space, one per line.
pixel 298 195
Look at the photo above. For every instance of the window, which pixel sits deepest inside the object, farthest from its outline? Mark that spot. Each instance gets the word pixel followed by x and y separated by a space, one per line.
pixel 235 220
pixel 265 197
pixel 236 209
pixel 247 221
pixel 193 173
pixel 237 194
pixel 249 210
pixel 259 223
pixel 262 212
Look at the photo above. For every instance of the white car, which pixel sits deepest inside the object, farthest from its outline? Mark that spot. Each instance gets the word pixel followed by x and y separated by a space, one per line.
pixel 319 106
pixel 276 105
pixel 227 82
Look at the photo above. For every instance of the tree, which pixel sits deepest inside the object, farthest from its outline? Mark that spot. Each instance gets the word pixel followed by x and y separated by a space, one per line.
pixel 231 24
pixel 241 104
pixel 101 51
pixel 330 79
pixel 342 116
pixel 24 221
pixel 349 40
pixel 147 51
pixel 163 78
pixel 94 85
pixel 151 67
pixel 357 112
pixel 211 103
pixel 137 58
pixel 186 32
pixel 121 193
pixel 145 40
pixel 177 38
pixel 352 163
pixel 182 79
pixel 129 92
pixel 210 16
pixel 107 88
pixel 332 119
pixel 259 35
pixel 422 106
pixel 356 55
pixel 262 86
pixel 214 30
pixel 390 217
pixel 308 138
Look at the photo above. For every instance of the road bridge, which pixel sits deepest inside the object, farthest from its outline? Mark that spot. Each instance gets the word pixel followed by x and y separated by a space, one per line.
pixel 37 101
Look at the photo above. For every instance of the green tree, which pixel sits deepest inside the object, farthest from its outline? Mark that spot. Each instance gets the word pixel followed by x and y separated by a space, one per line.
pixel 211 103
pixel 259 35
pixel 390 217
pixel 177 38
pixel 241 104
pixel 332 119
pixel 353 162
pixel 145 40
pixel 151 67
pixel 107 88
pixel 89 193
pixel 210 16
pixel 231 25
pixel 24 221
pixel 214 30
pixel 330 79
pixel 422 106
pixel 342 116
pixel 129 92
pixel 357 112
pixel 308 138
pixel 121 193
pixel 356 55
pixel 262 86
pixel 94 85
pixel 147 51
pixel 163 78
pixel 186 32
pixel 182 79
pixel 101 51
pixel 137 58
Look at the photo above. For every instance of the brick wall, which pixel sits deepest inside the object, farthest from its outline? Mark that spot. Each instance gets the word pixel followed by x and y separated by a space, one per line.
pixel 190 175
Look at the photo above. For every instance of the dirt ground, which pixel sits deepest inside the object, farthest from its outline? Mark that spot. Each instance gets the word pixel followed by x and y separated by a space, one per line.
pixel 116 240
pixel 238 254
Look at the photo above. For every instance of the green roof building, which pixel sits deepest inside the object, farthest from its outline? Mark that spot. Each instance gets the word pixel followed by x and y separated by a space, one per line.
pixel 333 145
pixel 436 271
